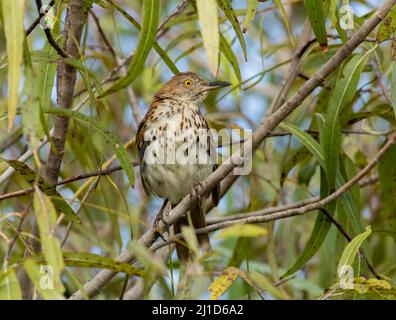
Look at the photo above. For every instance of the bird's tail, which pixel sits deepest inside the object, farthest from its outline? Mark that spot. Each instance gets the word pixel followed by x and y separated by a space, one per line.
pixel 198 221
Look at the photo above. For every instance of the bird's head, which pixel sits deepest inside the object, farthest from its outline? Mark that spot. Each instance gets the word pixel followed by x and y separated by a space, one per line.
pixel 187 86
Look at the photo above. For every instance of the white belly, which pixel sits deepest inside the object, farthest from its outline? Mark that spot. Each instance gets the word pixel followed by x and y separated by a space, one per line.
pixel 174 163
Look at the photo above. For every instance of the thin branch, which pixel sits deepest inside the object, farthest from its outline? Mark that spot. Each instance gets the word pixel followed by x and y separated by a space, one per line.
pixel 49 36
pixel 311 206
pixel 294 68
pixel 38 19
pixel 162 29
pixel 93 286
pixel 298 208
pixel 363 183
pixel 103 35
pixel 83 176
pixel 378 75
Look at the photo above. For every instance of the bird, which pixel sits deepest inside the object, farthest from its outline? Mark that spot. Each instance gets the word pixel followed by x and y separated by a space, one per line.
pixel 176 150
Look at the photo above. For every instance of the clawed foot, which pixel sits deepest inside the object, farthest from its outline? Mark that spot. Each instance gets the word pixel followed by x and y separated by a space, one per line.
pixel 163 213
pixel 195 191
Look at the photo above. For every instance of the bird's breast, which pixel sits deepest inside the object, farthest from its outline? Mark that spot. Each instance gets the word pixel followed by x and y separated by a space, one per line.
pixel 177 155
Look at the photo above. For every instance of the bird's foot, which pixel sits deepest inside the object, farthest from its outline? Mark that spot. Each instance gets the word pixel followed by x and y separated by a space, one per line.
pixel 162 214
pixel 195 191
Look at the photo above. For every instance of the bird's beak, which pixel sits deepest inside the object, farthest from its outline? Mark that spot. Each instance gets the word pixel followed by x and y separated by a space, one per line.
pixel 215 85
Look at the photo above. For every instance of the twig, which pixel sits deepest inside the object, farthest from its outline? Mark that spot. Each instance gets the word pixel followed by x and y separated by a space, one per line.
pixel 378 75
pixel 93 286
pixel 162 29
pixel 103 35
pixel 65 181
pixel 48 34
pixel 38 19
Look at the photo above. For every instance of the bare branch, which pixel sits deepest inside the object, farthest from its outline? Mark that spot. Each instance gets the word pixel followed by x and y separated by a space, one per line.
pixel 38 19
pixel 49 36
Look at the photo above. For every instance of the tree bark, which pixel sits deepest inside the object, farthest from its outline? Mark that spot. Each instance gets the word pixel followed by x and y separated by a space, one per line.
pixel 76 17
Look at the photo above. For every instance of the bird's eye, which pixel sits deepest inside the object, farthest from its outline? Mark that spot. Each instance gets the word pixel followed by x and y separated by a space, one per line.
pixel 188 83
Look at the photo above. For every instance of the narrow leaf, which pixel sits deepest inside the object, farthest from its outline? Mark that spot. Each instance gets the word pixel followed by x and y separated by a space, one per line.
pixel 322 223
pixel 317 18
pixel 387 27
pixel 223 282
pixel 285 18
pixel 13 14
pixel 41 277
pixel 30 177
pixel 250 14
pixel 9 286
pixel 209 22
pixel 230 56
pixel 351 250
pixel 46 219
pixel 393 88
pixel 225 5
pixel 151 12
pixel 343 94
pixel 387 178
pixel 242 230
pixel 90 260
pixel 119 150
pixel 161 52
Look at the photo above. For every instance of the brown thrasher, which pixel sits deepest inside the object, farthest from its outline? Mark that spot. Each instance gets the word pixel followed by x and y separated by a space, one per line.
pixel 175 148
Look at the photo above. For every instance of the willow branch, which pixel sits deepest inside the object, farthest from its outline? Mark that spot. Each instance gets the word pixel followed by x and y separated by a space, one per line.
pixel 49 36
pixel 36 22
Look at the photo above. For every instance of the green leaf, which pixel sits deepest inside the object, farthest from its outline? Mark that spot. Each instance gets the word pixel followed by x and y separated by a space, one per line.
pixel 387 179
pixel 209 23
pixel 41 277
pixel 265 284
pixel 387 27
pixel 31 122
pixel 90 260
pixel 225 5
pixel 30 177
pixel 9 286
pixel 343 94
pixel 161 52
pixel 151 13
pixel 146 257
pixel 393 88
pixel 119 150
pixel 46 219
pixel 250 14
pixel 317 18
pixel 301 155
pixel 285 18
pixel 310 143
pixel 13 16
pixel 230 56
pixel 351 250
pixel 322 223
pixel 240 251
pixel 242 230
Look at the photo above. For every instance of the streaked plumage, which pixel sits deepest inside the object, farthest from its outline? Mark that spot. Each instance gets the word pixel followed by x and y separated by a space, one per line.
pixel 175 146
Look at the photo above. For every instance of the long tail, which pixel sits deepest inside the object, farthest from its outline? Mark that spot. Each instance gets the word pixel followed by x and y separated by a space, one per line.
pixel 198 221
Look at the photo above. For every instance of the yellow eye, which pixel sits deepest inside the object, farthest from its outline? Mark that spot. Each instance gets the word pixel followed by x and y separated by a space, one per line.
pixel 188 83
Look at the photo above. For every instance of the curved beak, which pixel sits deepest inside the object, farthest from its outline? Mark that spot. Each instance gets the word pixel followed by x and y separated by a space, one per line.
pixel 215 85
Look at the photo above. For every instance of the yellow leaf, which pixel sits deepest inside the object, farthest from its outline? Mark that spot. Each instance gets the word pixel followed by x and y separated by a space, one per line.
pixel 242 230
pixel 223 282
pixel 13 11
pixel 208 20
